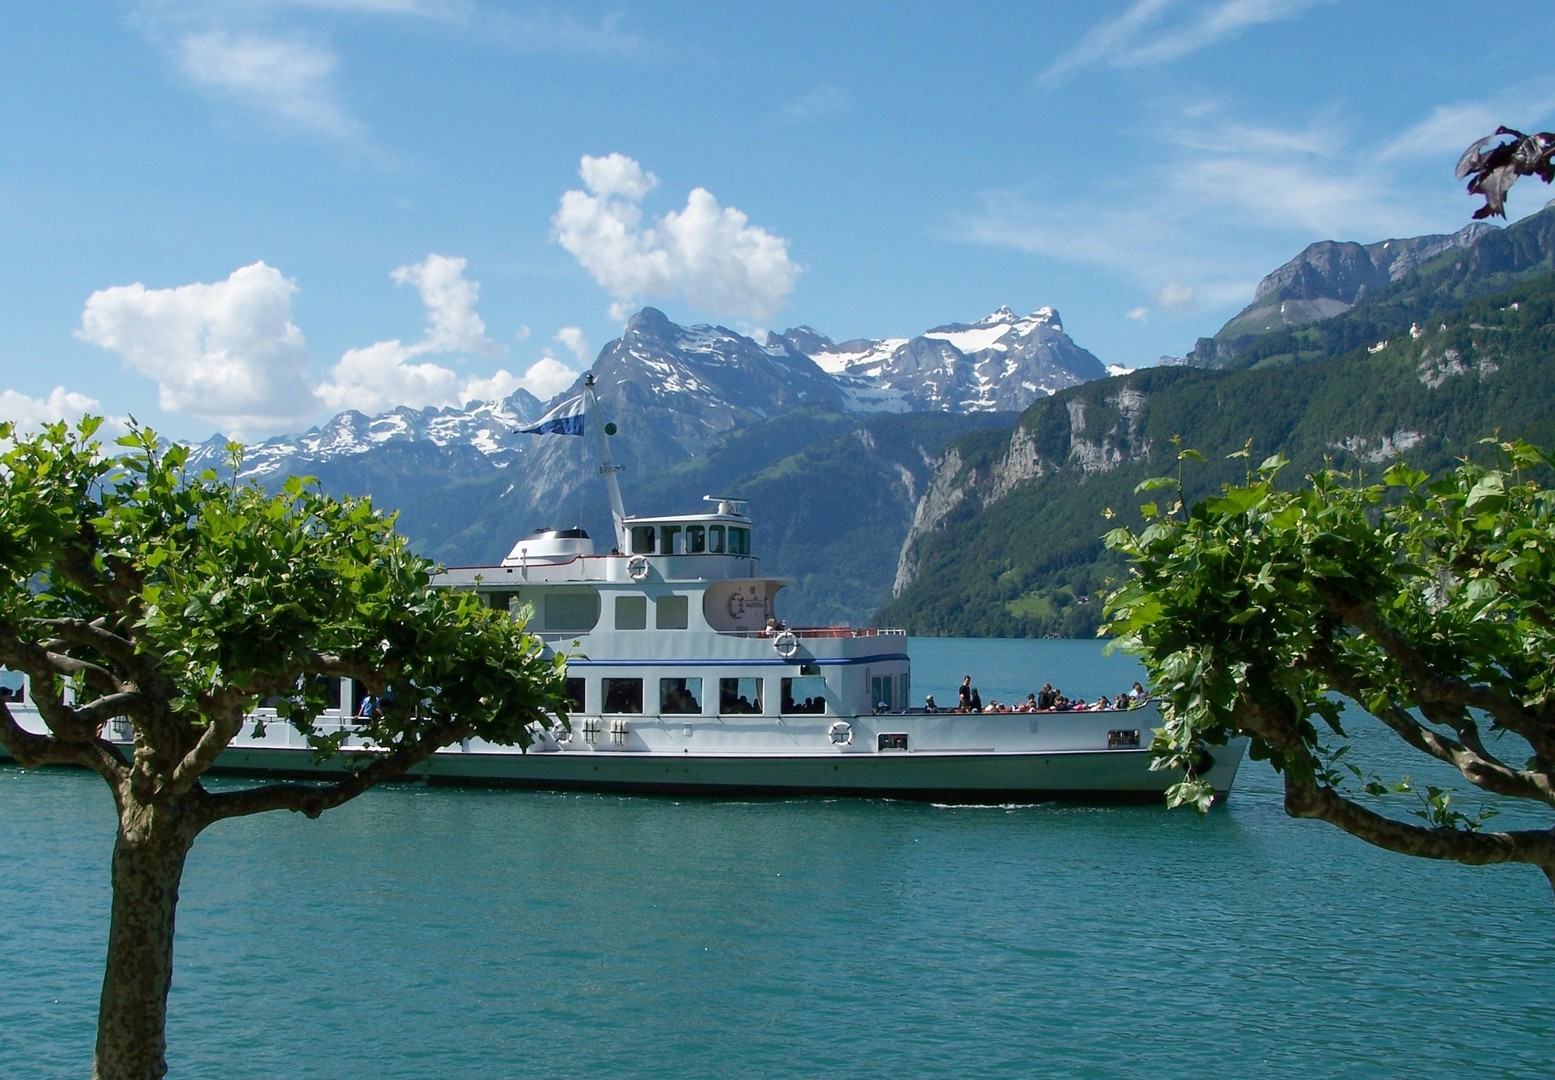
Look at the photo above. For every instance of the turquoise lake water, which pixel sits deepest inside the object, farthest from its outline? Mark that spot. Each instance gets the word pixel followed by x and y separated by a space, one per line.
pixel 424 932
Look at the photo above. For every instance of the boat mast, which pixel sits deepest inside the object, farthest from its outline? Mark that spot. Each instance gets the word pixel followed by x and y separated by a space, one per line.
pixel 607 468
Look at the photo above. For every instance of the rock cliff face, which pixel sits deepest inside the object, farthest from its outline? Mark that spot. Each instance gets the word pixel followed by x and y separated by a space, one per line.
pixel 1093 429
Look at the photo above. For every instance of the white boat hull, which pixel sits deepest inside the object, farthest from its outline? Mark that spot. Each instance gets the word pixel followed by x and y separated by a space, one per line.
pixel 1055 757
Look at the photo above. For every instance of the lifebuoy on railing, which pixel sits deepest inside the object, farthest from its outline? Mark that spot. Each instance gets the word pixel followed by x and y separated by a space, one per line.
pixel 637 566
pixel 841 733
pixel 786 644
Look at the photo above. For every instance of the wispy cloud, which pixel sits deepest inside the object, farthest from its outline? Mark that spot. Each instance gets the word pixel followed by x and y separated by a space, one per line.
pixel 1194 229
pixel 291 80
pixel 1157 31
pixel 817 102
pixel 1450 128
pixel 277 59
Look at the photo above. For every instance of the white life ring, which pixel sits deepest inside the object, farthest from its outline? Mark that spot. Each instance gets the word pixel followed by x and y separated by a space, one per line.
pixel 786 644
pixel 737 606
pixel 637 566
pixel 841 733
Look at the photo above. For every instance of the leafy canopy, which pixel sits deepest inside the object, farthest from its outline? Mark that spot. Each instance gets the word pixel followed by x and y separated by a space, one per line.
pixel 177 602
pixel 1285 615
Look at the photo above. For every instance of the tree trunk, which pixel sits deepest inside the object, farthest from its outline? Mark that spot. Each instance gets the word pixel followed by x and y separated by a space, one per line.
pixel 148 864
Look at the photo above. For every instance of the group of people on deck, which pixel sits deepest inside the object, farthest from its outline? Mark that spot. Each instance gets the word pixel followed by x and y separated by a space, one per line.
pixel 1048 699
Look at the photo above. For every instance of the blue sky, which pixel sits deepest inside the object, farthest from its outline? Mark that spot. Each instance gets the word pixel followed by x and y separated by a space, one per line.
pixel 247 215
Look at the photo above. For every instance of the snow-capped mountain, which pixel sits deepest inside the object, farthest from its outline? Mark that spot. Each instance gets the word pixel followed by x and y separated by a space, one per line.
pixel 486 426
pixel 674 389
pixel 1002 362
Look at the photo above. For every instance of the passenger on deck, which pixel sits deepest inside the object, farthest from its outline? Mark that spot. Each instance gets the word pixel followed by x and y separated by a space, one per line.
pixel 1046 698
pixel 964 695
pixel 928 704
pixel 1139 694
pixel 1030 704
pixel 976 703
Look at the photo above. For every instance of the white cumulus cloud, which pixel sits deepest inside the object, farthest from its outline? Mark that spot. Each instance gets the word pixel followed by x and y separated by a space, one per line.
pixel 710 255
pixel 572 337
pixel 449 296
pixel 389 373
pixel 31 414
pixel 548 377
pixel 226 351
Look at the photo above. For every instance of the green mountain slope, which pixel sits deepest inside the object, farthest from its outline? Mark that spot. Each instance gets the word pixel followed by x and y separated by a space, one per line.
pixel 1025 558
pixel 1497 260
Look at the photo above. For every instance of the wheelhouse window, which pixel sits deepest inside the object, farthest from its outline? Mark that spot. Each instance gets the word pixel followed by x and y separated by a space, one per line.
pixel 715 539
pixel 671 613
pixel 622 695
pixel 804 694
pixel 739 697
pixel 696 539
pixel 880 687
pixel 642 539
pixel 631 613
pixel 680 697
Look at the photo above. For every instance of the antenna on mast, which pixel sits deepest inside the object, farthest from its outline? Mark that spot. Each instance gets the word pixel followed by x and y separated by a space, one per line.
pixel 607 468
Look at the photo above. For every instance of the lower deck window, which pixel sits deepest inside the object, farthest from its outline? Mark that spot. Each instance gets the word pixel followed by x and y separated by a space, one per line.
pixel 805 694
pixel 680 696
pixel 574 693
pixel 622 695
pixel 739 697
pixel 892 741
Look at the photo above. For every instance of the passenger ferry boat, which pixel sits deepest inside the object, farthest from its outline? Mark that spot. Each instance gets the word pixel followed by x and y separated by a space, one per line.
pixel 683 680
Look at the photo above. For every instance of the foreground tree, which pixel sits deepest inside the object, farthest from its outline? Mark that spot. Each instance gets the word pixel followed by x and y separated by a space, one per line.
pixel 1289 615
pixel 137 594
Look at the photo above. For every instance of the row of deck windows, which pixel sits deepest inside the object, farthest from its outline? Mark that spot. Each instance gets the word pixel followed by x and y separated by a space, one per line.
pixel 669 612
pixel 576 612
pixel 683 696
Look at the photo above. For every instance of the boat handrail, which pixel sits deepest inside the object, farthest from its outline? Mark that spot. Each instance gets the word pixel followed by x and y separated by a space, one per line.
pixel 824 632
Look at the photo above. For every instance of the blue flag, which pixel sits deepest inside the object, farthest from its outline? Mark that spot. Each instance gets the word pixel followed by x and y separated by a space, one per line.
pixel 565 419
